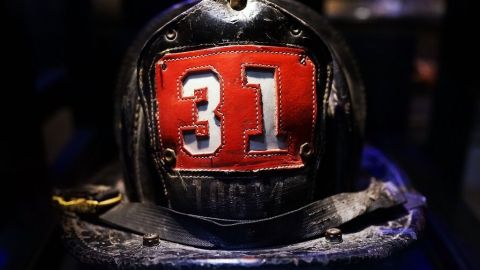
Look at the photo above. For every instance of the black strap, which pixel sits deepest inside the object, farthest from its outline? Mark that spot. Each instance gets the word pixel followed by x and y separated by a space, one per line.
pixel 304 223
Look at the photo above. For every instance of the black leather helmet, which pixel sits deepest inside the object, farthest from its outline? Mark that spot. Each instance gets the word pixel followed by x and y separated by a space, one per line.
pixel 240 125
pixel 209 33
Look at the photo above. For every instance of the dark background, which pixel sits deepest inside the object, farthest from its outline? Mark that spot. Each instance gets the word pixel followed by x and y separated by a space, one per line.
pixel 60 59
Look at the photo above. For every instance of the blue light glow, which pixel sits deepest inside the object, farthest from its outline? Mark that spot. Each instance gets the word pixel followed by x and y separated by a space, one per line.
pixel 3 258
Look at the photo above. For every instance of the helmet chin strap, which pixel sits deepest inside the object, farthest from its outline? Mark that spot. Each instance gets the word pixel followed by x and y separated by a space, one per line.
pixel 305 223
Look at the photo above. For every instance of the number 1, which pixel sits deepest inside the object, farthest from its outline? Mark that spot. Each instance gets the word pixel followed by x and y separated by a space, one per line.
pixel 269 139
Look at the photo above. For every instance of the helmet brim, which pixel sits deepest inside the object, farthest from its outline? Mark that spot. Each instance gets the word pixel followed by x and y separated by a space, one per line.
pixel 365 239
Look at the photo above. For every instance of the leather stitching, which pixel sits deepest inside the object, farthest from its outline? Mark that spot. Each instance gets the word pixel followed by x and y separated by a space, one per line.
pixel 259 115
pixel 195 111
pixel 231 52
pixel 222 98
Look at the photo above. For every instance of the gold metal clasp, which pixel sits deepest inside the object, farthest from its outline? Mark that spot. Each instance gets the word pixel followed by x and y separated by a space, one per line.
pixel 85 206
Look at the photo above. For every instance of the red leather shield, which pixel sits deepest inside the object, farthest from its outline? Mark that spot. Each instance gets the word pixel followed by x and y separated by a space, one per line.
pixel 236 108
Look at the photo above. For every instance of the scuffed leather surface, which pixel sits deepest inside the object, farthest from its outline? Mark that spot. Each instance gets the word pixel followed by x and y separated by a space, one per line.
pixel 243 196
pixel 366 240
pixel 118 250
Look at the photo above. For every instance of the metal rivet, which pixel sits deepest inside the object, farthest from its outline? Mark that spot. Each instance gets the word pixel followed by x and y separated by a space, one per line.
pixel 169 156
pixel 295 31
pixel 151 239
pixel 163 65
pixel 334 235
pixel 238 4
pixel 306 150
pixel 171 35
